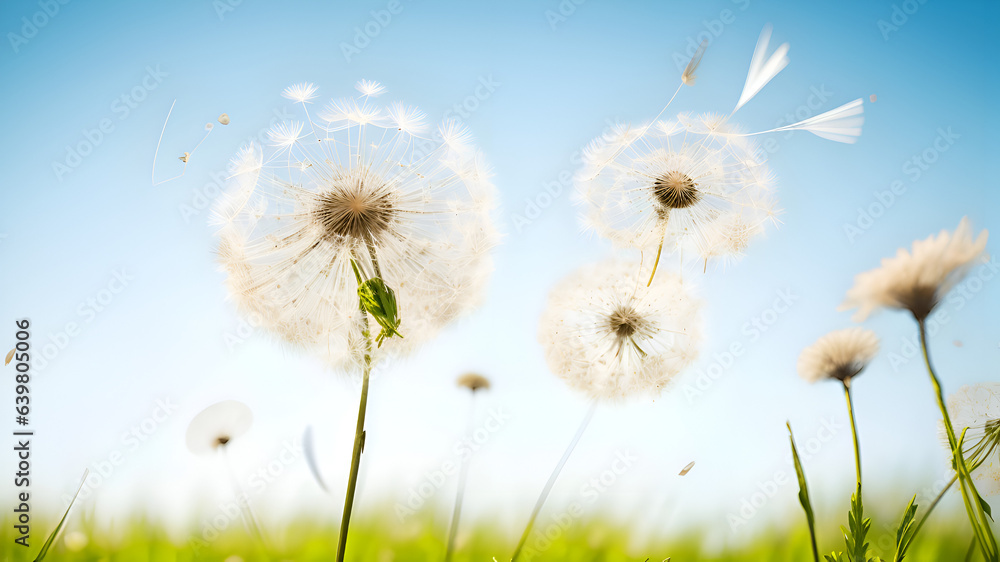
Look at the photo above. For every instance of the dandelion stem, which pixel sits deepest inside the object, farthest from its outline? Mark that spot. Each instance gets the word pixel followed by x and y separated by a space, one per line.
pixel 246 512
pixel 462 477
pixel 931 508
pixel 854 430
pixel 980 525
pixel 552 479
pixel 359 443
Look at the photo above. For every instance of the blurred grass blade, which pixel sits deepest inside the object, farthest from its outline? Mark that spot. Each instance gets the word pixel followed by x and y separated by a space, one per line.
pixel 55 532
pixel 906 531
pixel 804 493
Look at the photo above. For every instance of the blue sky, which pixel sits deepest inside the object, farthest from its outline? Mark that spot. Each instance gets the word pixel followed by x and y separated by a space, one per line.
pixel 542 79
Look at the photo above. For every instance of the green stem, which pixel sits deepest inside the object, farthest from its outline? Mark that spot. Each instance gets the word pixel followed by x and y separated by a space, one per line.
pixel 552 480
pixel 931 508
pixel 359 444
pixel 462 477
pixel 854 430
pixel 970 496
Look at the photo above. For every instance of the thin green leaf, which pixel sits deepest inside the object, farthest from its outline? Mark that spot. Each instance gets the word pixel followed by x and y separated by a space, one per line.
pixel 906 530
pixel 56 531
pixel 985 506
pixel 803 492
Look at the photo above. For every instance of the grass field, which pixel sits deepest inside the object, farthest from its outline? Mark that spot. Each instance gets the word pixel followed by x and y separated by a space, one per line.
pixel 945 538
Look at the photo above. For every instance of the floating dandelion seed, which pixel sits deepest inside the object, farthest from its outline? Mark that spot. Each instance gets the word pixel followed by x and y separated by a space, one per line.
pixel 762 71
pixel 839 355
pixel 224 119
pixel 977 407
pixel 917 280
pixel 309 448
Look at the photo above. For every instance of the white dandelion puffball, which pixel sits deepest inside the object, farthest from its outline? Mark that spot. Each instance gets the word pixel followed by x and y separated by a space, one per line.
pixel 693 182
pixel 973 406
pixel 839 355
pixel 609 335
pixel 919 279
pixel 364 182
pixel 217 425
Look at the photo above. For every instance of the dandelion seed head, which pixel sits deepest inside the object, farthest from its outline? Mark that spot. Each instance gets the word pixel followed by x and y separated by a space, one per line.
pixel 675 184
pixel 918 279
pixel 610 336
pixel 473 381
pixel 417 212
pixel 839 355
pixel 218 425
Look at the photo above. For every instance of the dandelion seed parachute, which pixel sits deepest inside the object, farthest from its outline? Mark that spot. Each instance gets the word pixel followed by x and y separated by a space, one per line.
pixel 610 336
pixel 361 182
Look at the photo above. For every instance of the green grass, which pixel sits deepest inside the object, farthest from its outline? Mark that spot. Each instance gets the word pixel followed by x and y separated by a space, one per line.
pixel 382 539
